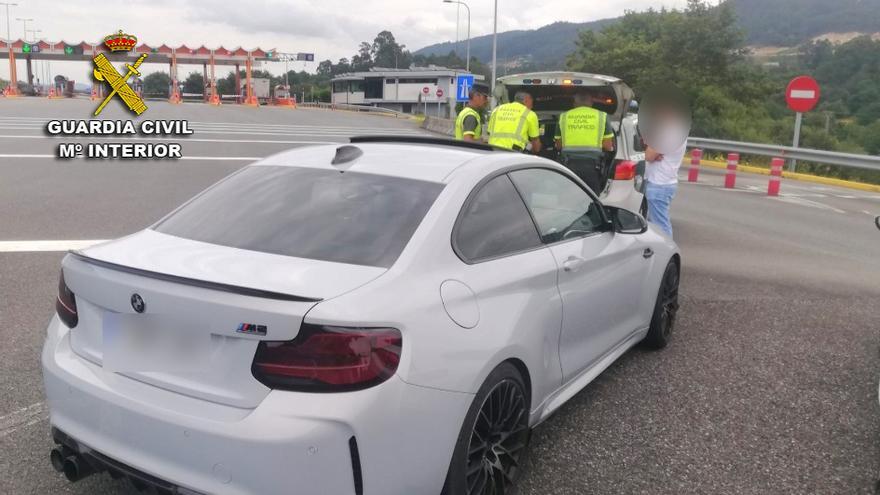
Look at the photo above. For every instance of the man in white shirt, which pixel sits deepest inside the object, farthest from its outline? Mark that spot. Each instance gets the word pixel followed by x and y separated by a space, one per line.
pixel 664 156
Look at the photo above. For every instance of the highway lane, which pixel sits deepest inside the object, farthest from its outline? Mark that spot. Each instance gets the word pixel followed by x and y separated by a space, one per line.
pixel 770 385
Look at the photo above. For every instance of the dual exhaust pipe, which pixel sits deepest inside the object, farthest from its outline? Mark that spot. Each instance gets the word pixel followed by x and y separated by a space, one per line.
pixel 74 465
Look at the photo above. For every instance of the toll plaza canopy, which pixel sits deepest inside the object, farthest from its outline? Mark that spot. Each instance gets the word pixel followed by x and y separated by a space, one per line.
pixel 43 50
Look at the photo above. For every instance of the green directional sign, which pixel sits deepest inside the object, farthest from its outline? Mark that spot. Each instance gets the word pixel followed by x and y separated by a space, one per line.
pixel 26 48
pixel 270 54
pixel 154 50
pixel 73 50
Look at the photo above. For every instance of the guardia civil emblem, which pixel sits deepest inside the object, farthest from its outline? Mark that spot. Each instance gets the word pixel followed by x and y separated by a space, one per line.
pixel 104 71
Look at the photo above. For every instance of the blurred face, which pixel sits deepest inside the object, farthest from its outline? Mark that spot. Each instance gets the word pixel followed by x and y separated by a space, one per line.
pixel 479 100
pixel 529 102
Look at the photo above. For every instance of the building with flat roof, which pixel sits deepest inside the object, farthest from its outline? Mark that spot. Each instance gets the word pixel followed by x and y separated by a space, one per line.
pixel 427 90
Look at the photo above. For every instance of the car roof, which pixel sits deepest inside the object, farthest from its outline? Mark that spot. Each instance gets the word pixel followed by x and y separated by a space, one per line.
pixel 419 161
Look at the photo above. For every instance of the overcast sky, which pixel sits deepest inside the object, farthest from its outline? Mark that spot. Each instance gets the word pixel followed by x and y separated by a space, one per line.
pixel 330 28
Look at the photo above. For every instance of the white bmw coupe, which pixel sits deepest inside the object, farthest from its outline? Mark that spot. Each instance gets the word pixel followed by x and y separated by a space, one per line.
pixel 387 317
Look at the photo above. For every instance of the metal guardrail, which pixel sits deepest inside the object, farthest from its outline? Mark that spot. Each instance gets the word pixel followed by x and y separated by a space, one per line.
pixel 355 108
pixel 868 162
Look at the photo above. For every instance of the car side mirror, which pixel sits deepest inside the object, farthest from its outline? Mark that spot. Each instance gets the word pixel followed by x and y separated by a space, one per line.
pixel 625 221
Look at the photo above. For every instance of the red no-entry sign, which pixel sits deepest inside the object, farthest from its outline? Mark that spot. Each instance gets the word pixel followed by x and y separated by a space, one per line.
pixel 802 94
pixel 426 90
pixel 439 93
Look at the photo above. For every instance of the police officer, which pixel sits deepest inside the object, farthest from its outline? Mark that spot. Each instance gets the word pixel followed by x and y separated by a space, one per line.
pixel 514 125
pixel 469 124
pixel 583 134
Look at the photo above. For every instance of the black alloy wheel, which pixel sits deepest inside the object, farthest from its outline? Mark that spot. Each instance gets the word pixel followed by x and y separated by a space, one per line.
pixel 493 439
pixel 498 437
pixel 665 309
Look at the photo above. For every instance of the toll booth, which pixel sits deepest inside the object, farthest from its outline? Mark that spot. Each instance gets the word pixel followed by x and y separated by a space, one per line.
pixel 282 96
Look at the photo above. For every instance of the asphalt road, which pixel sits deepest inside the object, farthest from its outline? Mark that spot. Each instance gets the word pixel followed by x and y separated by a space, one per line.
pixel 770 384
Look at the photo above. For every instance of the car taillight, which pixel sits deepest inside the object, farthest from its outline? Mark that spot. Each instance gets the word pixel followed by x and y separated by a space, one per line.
pixel 625 170
pixel 65 304
pixel 329 359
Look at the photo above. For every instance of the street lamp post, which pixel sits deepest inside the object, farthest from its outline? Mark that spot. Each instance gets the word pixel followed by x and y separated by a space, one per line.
pixel 24 22
pixel 468 63
pixel 494 53
pixel 30 76
pixel 13 80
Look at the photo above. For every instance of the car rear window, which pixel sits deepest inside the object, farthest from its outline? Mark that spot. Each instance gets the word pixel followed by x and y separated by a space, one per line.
pixel 350 217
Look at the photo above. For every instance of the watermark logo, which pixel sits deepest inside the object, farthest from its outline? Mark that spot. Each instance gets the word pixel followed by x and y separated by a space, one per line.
pixel 104 71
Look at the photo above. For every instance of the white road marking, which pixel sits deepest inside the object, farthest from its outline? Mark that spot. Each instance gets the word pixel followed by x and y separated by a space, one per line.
pixel 22 418
pixel 738 190
pixel 806 202
pixel 184 140
pixel 220 158
pixel 45 246
pixel 193 158
pixel 267 132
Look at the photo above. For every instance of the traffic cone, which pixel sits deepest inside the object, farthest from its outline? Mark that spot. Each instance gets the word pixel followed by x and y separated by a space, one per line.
pixel 214 100
pixel 94 94
pixel 51 94
pixel 175 97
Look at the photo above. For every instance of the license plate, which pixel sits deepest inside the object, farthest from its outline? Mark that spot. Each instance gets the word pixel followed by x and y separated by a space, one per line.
pixel 152 343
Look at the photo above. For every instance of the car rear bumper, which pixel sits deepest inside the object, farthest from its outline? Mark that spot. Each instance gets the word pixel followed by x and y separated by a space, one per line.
pixel 397 436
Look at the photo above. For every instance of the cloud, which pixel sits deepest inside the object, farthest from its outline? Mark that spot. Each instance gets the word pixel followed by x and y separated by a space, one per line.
pixel 330 28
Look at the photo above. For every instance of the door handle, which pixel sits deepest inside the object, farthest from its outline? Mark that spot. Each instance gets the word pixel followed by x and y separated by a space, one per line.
pixel 573 264
pixel 648 253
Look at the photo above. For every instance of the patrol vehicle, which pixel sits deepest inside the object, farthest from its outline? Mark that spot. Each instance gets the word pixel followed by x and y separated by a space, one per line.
pixel 623 177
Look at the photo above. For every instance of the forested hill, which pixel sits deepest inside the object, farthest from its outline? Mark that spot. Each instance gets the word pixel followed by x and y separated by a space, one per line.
pixel 764 22
pixel 550 44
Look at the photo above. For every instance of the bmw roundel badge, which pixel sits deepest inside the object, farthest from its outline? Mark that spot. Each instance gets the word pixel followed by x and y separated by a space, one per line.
pixel 137 303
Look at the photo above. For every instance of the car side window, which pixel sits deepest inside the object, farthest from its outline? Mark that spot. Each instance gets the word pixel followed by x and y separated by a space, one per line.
pixel 561 208
pixel 495 223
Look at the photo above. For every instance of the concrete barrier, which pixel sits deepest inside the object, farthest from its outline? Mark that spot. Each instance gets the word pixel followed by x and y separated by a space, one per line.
pixel 440 126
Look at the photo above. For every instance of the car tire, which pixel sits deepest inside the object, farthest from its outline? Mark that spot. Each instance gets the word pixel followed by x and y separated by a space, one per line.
pixel 493 438
pixel 643 210
pixel 665 309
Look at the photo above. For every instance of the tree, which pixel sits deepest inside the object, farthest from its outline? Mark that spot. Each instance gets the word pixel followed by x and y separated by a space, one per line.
pixel 194 83
pixel 325 69
pixel 689 48
pixel 363 60
pixel 157 84
pixel 386 52
pixel 341 67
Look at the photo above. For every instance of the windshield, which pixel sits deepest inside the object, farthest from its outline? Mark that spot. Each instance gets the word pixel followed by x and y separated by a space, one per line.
pixel 355 218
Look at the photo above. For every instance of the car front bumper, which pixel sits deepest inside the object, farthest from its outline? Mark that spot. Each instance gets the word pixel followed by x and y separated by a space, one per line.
pixel 291 443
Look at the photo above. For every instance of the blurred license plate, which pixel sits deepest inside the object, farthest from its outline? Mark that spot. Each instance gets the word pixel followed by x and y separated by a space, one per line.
pixel 153 343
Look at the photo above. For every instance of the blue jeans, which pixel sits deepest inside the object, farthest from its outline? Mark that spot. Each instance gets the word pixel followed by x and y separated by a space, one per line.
pixel 659 199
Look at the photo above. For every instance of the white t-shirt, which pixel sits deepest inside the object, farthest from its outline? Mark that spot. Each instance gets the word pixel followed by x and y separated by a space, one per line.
pixel 665 171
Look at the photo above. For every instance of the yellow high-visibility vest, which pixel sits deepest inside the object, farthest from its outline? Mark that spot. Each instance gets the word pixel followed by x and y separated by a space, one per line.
pixel 459 123
pixel 508 126
pixel 582 129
